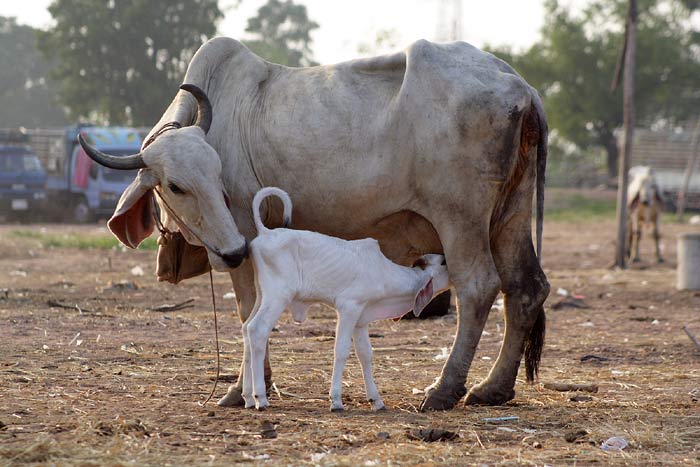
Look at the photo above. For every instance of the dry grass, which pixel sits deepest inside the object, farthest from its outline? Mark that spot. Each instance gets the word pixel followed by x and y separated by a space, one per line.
pixel 95 404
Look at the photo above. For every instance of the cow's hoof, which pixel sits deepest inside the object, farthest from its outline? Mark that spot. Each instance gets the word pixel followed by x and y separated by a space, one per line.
pixel 660 260
pixel 481 396
pixel 233 398
pixel 441 399
pixel 636 260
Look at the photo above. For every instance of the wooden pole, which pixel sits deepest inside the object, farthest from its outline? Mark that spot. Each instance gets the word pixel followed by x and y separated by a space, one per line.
pixel 628 123
pixel 683 193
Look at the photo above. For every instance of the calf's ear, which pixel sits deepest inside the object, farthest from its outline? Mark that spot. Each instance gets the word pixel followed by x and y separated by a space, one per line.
pixel 132 221
pixel 423 297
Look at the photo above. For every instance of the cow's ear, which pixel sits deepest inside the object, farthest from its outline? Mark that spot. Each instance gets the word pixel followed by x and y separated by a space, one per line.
pixel 423 297
pixel 132 221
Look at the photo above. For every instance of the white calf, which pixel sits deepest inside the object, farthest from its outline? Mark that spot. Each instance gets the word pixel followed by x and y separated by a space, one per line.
pixel 296 268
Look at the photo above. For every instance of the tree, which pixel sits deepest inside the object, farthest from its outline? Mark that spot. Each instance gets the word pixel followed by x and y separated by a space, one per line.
pixel 281 33
pixel 121 61
pixel 573 64
pixel 27 98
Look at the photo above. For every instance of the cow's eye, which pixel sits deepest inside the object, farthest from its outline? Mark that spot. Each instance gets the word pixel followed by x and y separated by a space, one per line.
pixel 176 189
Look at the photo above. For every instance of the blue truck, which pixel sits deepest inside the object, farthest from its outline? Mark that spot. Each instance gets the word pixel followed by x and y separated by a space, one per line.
pixel 22 178
pixel 79 190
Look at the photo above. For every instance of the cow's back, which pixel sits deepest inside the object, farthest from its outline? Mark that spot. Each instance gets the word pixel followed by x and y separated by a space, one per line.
pixel 369 134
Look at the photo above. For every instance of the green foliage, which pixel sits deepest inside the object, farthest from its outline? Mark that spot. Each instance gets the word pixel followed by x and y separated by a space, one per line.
pixel 26 96
pixel 575 207
pixel 121 61
pixel 573 65
pixel 79 241
pixel 282 33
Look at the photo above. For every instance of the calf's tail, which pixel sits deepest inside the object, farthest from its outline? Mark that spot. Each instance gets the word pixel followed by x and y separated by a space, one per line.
pixel 258 199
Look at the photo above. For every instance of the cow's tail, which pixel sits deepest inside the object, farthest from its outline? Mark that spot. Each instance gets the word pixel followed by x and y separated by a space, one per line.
pixel 541 166
pixel 535 341
pixel 258 199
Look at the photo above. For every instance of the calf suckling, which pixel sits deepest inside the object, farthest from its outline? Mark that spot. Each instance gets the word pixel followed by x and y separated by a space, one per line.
pixel 295 269
pixel 644 205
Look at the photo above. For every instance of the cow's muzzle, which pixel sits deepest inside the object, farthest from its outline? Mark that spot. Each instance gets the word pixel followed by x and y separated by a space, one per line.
pixel 233 259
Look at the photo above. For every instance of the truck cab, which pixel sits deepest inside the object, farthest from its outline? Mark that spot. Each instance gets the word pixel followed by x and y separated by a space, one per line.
pixel 22 181
pixel 90 190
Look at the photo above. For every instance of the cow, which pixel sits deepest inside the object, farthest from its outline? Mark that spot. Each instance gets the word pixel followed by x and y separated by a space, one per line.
pixel 644 206
pixel 436 149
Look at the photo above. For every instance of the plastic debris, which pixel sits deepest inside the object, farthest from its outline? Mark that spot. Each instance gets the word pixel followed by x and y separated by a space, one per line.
pixel 137 271
pixel 229 296
pixel 614 444
pixel 417 391
pixel 695 220
pixel 562 292
pixel 444 353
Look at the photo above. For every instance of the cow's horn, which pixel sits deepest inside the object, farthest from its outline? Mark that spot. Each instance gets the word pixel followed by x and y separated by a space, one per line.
pixel 204 113
pixel 132 162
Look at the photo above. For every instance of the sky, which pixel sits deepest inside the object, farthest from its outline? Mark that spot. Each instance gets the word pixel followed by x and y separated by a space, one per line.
pixel 347 24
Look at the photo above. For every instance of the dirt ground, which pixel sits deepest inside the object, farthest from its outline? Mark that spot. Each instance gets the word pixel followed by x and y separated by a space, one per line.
pixel 110 382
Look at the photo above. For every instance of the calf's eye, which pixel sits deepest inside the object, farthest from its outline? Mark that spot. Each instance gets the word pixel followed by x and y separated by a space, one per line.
pixel 176 189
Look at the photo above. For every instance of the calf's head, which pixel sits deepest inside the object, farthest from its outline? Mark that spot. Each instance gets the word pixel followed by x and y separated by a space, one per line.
pixel 185 171
pixel 436 280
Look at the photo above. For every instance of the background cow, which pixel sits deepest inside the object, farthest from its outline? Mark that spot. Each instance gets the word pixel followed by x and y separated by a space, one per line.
pixel 644 206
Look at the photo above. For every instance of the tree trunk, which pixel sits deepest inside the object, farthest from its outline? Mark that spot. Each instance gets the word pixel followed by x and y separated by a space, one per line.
pixel 628 120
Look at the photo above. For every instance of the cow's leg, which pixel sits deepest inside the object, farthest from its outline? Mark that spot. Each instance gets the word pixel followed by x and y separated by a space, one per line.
pixel 363 349
pixel 657 236
pixel 525 287
pixel 476 281
pixel 243 279
pixel 628 239
pixel 636 235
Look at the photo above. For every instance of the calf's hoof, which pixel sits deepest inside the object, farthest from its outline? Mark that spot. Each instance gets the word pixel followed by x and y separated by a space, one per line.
pixel 337 407
pixel 442 399
pixel 261 403
pixel 481 396
pixel 233 398
pixel 378 405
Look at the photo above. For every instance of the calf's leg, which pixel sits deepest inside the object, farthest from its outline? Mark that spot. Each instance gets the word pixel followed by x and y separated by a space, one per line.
pixel 363 349
pixel 243 279
pixel 347 318
pixel 258 330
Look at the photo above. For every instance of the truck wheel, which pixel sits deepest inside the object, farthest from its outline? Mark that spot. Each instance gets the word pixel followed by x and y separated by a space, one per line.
pixel 81 212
